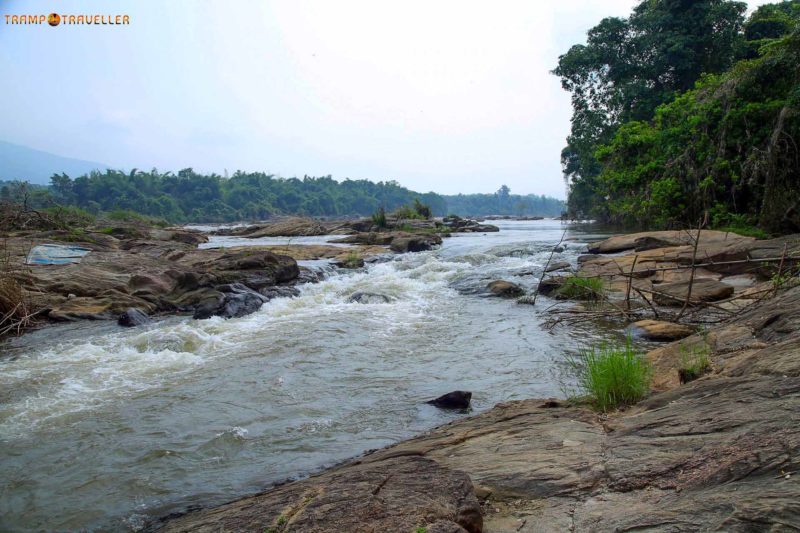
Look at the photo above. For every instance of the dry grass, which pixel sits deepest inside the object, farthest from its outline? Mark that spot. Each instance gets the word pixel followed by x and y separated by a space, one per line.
pixel 16 312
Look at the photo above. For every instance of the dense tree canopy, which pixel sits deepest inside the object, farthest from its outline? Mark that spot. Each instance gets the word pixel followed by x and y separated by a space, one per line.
pixel 189 196
pixel 668 127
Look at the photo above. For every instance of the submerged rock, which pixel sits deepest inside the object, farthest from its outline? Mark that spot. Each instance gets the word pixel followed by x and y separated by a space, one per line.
pixel 133 317
pixel 505 289
pixel 453 400
pixel 558 265
pixel 363 297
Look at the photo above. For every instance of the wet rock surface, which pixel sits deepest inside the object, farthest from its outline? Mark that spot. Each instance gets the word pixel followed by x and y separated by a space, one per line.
pixel 505 289
pixel 153 271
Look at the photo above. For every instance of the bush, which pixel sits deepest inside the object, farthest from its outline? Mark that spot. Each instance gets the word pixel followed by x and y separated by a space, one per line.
pixel 379 217
pixel 67 217
pixel 612 376
pixel 581 288
pixel 424 211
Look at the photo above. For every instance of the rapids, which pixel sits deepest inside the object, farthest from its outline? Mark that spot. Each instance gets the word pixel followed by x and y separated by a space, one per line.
pixel 104 428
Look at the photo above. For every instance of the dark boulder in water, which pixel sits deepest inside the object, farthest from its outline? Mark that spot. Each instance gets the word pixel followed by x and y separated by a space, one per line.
pixel 363 297
pixel 133 317
pixel 238 301
pixel 458 399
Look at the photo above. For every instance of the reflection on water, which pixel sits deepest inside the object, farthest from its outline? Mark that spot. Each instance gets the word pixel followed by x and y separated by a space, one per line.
pixel 102 428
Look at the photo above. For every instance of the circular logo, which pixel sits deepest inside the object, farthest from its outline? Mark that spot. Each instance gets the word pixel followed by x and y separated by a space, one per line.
pixel 54 19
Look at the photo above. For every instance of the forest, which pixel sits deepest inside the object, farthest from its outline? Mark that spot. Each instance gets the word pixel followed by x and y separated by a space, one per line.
pixel 192 197
pixel 686 113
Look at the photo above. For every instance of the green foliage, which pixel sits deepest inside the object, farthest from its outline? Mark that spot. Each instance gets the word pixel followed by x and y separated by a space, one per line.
pixel 189 196
pixel 379 217
pixel 424 211
pixel 629 67
pixel 727 149
pixel 421 530
pixel 352 260
pixel 503 203
pixel 695 362
pixel 581 288
pixel 612 376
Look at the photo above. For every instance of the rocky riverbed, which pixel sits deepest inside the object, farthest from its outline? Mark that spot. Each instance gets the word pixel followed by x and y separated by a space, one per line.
pixel 719 453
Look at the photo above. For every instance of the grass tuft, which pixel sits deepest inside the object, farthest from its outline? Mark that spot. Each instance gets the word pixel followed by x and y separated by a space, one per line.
pixel 612 376
pixel 695 362
pixel 581 288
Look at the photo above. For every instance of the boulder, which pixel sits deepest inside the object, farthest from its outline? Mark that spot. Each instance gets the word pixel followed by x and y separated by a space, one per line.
pixel 649 240
pixel 238 301
pixel 414 243
pixel 133 317
pixel 558 265
pixel 384 239
pixel 703 290
pixel 505 289
pixel 452 400
pixel 659 330
pixel 549 286
pixel 280 291
pixel 363 297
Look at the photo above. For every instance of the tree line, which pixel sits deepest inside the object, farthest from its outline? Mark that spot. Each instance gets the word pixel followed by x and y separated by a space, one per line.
pixel 687 112
pixel 189 196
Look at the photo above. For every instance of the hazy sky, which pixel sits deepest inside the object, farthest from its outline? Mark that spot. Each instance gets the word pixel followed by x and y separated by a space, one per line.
pixel 449 96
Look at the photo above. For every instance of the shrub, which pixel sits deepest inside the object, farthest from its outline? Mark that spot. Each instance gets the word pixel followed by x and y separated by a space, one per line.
pixel 581 288
pixel 612 376
pixel 67 217
pixel 379 217
pixel 423 210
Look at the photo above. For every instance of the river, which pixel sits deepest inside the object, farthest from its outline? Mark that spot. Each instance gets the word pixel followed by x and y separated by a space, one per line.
pixel 104 428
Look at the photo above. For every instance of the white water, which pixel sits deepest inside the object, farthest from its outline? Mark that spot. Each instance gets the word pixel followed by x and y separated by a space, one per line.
pixel 103 428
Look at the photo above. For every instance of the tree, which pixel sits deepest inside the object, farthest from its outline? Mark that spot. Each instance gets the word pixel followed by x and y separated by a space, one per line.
pixel 629 67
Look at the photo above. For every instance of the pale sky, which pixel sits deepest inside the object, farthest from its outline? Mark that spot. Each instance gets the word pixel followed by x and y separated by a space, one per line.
pixel 449 96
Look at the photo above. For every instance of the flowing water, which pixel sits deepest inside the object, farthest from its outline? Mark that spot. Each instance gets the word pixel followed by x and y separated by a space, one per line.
pixel 104 428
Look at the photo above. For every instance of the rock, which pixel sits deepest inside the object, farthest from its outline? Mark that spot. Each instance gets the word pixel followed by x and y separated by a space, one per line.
pixel 414 243
pixel 550 285
pixel 659 330
pixel 558 265
pixel 703 290
pixel 349 262
pixel 558 249
pixel 285 291
pixel 397 494
pixel 505 289
pixel 286 227
pixel 369 298
pixel 133 317
pixel 658 239
pixel 371 238
pixel 238 301
pixel 453 400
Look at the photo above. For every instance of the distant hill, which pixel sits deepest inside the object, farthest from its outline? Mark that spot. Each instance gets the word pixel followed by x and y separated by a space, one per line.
pixel 26 164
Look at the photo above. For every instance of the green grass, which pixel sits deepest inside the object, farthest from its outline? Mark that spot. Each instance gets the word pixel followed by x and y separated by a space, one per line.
pixel 421 530
pixel 747 231
pixel 695 362
pixel 581 288
pixel 612 376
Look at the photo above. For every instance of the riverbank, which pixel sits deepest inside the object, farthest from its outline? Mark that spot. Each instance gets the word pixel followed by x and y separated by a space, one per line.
pixel 717 453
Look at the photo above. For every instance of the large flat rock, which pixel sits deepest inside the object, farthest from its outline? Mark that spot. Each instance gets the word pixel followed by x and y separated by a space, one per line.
pixel 394 495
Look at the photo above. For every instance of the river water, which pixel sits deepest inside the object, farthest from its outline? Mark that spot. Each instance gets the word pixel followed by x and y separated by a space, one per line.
pixel 104 428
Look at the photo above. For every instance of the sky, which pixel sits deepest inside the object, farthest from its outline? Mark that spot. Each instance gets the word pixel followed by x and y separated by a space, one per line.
pixel 440 95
